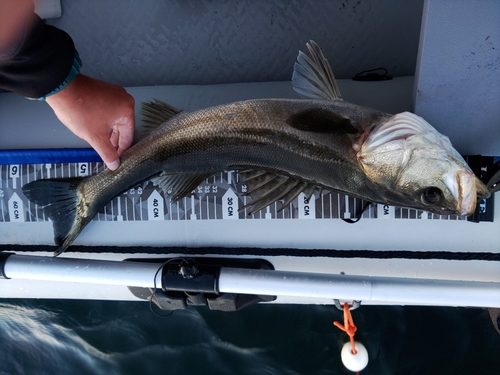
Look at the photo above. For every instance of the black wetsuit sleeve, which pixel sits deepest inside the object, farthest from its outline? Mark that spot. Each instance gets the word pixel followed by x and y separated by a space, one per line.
pixel 39 62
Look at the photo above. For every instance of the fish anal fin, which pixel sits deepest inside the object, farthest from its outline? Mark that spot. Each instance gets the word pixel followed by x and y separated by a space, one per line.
pixel 155 113
pixel 180 185
pixel 321 120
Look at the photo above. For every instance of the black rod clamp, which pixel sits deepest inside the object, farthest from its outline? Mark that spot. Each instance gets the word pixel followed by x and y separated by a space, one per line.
pixel 492 179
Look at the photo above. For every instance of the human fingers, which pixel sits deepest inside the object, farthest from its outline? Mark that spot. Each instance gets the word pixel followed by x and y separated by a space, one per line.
pixel 106 151
pixel 114 137
pixel 125 129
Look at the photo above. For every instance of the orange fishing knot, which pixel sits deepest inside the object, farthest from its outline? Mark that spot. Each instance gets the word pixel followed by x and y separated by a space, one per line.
pixel 348 326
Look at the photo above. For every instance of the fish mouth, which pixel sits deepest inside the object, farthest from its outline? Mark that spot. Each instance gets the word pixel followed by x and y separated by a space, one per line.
pixel 467 189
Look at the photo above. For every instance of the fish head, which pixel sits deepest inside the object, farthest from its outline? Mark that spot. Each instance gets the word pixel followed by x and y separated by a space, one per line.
pixel 419 167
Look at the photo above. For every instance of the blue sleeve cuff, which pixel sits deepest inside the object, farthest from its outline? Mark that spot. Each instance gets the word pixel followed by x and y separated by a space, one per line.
pixel 75 69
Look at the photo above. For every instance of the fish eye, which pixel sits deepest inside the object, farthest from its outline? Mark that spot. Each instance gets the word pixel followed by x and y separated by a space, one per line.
pixel 431 196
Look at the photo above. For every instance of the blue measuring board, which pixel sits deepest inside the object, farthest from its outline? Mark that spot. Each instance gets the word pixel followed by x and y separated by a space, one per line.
pixel 220 197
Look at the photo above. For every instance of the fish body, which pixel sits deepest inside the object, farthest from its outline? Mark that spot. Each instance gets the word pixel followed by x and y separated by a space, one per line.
pixel 284 147
pixel 251 135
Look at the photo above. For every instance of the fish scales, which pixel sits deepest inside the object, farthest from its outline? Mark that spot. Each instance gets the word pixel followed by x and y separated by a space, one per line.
pixel 248 134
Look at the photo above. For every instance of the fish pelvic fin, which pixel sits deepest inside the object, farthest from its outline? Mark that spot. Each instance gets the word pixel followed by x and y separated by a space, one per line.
pixel 156 112
pixel 312 76
pixel 60 200
pixel 265 188
pixel 178 186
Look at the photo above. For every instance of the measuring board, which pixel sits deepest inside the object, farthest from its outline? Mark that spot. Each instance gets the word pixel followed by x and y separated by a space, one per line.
pixel 220 197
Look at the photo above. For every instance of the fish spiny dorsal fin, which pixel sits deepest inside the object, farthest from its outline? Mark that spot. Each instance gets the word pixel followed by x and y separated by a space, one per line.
pixel 313 77
pixel 156 112
pixel 320 120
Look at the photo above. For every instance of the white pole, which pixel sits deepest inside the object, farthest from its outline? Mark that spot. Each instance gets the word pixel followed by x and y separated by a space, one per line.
pixel 265 282
pixel 361 288
pixel 90 271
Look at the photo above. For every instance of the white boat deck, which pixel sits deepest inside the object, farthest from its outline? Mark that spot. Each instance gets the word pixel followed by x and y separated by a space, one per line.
pixel 463 93
pixel 385 233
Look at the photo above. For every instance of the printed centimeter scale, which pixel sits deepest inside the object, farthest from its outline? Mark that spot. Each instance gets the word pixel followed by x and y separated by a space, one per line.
pixel 218 198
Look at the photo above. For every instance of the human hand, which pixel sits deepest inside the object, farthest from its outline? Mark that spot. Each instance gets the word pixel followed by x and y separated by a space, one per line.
pixel 98 112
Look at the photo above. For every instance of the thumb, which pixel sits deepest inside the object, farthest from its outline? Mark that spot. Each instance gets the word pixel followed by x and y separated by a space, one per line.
pixel 107 152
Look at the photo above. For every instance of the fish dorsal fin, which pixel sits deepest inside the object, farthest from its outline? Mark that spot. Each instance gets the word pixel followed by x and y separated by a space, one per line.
pixel 179 185
pixel 320 120
pixel 313 77
pixel 156 112
pixel 265 188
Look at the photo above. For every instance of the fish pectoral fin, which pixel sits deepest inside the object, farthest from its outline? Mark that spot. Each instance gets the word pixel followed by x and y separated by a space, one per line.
pixel 179 185
pixel 312 76
pixel 156 112
pixel 265 188
pixel 320 120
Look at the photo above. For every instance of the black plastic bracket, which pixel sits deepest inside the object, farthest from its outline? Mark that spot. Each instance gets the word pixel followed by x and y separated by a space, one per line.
pixel 483 167
pixel 194 282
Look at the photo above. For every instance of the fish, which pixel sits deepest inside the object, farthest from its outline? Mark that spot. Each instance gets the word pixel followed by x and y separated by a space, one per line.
pixel 282 148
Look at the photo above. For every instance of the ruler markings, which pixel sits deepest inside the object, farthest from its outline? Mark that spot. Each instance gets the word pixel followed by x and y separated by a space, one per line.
pixel 2 207
pixel 205 202
pixel 2 193
pixel 25 178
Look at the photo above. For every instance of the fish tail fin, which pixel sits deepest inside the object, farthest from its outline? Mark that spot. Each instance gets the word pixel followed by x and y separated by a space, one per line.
pixel 59 200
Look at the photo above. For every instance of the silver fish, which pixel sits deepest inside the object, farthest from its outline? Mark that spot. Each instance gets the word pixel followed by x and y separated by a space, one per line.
pixel 284 147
